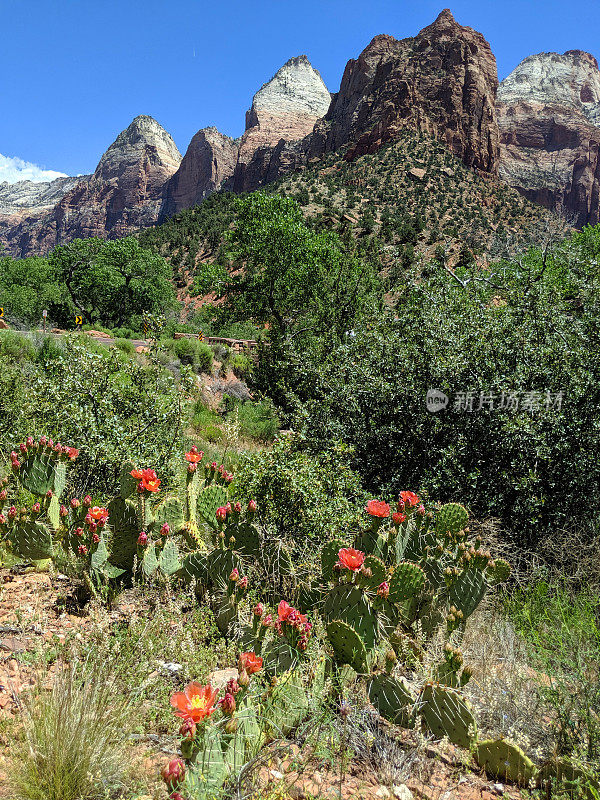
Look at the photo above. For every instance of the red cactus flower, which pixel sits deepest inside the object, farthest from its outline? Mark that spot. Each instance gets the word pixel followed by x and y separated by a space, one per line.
pixel 82 550
pixel 196 702
pixel 98 515
pixel 228 704
pixel 377 508
pixel 221 514
pixel 194 456
pixel 351 559
pixel 284 609
pixel 250 662
pixel 398 518
pixel 409 498
pixel 173 773
pixel 72 452
pixel 142 539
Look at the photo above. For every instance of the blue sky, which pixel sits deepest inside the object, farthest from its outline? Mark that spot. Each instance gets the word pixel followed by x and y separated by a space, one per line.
pixel 75 72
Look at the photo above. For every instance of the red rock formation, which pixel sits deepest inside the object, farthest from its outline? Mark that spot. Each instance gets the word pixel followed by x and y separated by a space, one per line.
pixel 549 120
pixel 126 192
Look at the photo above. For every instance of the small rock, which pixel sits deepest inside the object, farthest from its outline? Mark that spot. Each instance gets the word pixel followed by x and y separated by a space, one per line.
pixel 170 667
pixel 499 787
pixel 219 677
pixel 274 773
pixel 417 173
pixel 402 792
pixel 383 791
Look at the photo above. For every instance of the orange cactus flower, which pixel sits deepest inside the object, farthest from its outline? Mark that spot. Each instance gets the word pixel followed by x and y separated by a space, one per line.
pixel 377 508
pixel 194 456
pixel 251 663
pixel 398 517
pixel 284 610
pixel 149 480
pixel 351 559
pixel 409 498
pixel 195 703
pixel 98 514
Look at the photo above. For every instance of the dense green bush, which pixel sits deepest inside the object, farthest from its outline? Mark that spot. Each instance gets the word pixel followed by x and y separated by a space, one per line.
pixel 258 420
pixel 191 352
pixel 305 498
pixel 528 327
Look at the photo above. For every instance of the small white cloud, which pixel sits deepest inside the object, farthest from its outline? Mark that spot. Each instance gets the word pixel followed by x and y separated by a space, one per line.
pixel 15 169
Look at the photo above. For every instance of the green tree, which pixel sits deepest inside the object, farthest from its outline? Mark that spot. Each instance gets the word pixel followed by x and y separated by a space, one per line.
pixel 111 282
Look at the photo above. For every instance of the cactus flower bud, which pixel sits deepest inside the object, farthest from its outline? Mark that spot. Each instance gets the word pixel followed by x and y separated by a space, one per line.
pixel 78 531
pixel 93 526
pixel 75 503
pixel 221 514
pixel 367 572
pixel 231 725
pixel 12 512
pixel 237 508
pixel 82 550
pixel 252 507
pixel 234 575
pixel 243 584
pixel 29 441
pixel 398 518
pixel 43 441
pixel 383 590
pixel 258 610
pixel 243 679
pixel 95 538
pixel 192 468
pixel 267 621
pixel 228 704
pixel 87 501
pixel 49 494
pixel 16 464
pixel 143 539
pixel 401 505
pixel 187 729
pixel 36 508
pixel 173 773
pixel 165 529
pixel 213 466
pixel 232 686
pixel 23 448
pixel 3 495
pixel 176 796
pixel 63 511
pixel 421 510
pixel 2 519
pixel 13 455
pixel 50 444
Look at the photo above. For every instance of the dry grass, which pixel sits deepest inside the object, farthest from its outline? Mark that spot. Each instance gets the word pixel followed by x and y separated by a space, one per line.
pixel 74 735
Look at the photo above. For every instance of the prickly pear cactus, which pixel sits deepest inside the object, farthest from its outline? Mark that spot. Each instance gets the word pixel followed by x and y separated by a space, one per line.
pixel 209 500
pixel 504 760
pixel 451 519
pixel 347 645
pixel 447 714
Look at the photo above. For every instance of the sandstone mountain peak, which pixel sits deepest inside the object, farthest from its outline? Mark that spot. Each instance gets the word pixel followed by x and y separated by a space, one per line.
pixel 571 79
pixel 144 138
pixel 296 88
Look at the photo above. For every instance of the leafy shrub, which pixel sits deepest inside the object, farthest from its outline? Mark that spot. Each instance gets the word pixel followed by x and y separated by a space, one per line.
pixel 241 366
pixel 125 346
pixel 258 420
pixel 16 346
pixel 306 498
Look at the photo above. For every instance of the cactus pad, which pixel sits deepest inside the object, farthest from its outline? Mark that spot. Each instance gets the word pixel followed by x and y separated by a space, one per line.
pixel 168 560
pixel 247 539
pixel 378 569
pixel 169 511
pixel 329 557
pixel 347 645
pixel 209 499
pixel 446 714
pixel 392 700
pixel 31 540
pixel 407 581
pixel 498 571
pixel 149 561
pixel 467 590
pixel 349 603
pixel 451 519
pixel 504 760
pixel 125 531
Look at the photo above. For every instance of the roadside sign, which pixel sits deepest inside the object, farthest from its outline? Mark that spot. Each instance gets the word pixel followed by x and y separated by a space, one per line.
pixel 78 320
pixel 44 313
pixel 1 312
pixel 201 336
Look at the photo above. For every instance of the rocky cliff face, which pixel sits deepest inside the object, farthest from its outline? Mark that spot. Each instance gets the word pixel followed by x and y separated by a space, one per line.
pixel 125 192
pixel 549 120
pixel 443 82
pixel 283 110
